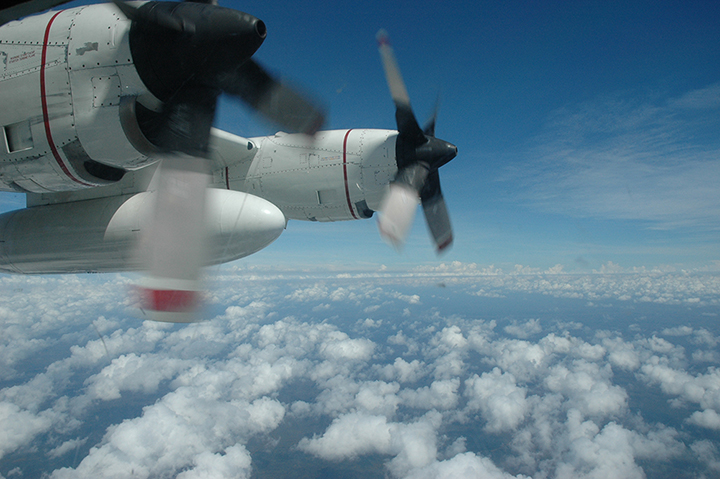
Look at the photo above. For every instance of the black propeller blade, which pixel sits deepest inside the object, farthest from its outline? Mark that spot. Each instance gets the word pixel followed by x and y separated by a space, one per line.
pixel 419 155
pixel 187 54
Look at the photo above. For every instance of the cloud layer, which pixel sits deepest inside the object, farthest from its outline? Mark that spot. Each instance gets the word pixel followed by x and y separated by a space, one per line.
pixel 631 157
pixel 495 375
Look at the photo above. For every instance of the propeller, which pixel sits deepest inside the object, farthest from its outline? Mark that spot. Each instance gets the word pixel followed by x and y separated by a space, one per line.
pixel 187 54
pixel 419 155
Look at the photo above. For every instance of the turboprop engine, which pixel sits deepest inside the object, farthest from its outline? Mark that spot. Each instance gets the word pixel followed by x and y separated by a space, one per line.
pixel 101 235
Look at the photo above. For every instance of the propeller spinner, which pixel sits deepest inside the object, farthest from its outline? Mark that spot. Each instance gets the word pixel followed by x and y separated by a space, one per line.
pixel 419 155
pixel 187 54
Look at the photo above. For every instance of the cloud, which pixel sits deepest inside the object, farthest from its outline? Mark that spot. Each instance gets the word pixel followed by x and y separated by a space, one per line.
pixel 588 388
pixel 524 330
pixel 702 389
pixel 439 395
pixel 67 446
pixel 708 419
pixel 628 157
pixel 403 371
pixel 462 465
pixel 131 372
pixel 233 463
pixel 413 445
pixel 502 403
pixel 19 427
pixel 349 436
pixel 430 394
pixel 338 347
pixel 176 433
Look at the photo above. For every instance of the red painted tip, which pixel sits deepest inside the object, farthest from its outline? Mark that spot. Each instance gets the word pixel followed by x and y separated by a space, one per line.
pixel 169 300
pixel 445 244
pixel 382 38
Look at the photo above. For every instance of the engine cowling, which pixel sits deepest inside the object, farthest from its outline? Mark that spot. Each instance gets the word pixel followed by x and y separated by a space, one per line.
pixel 100 235
pixel 334 176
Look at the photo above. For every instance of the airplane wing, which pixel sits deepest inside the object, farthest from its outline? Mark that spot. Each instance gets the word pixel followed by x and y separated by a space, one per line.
pixel 15 9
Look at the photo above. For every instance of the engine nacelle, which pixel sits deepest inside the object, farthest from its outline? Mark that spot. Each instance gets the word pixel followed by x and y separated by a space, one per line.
pixel 335 175
pixel 101 235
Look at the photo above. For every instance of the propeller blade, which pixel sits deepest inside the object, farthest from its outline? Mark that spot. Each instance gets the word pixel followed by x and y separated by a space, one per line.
pixel 198 43
pixel 174 244
pixel 273 99
pixel 418 155
pixel 128 10
pixel 399 206
pixel 407 124
pixel 173 247
pixel 436 213
pixel 429 129
pixel 158 17
pixel 397 214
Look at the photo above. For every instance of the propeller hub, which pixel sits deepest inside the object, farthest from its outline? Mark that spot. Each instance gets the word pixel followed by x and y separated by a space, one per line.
pixel 176 44
pixel 435 152
pixel 418 155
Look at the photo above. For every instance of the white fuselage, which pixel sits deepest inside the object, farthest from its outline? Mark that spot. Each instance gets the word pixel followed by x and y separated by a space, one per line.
pixel 71 138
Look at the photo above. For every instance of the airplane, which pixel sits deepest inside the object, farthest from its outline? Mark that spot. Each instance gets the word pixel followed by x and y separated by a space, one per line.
pixel 106 124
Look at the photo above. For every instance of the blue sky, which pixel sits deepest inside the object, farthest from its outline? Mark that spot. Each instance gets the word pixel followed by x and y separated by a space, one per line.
pixel 587 131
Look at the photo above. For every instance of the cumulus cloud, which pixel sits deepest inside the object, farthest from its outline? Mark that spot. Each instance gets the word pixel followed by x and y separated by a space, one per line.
pixel 707 418
pixel 524 330
pixel 413 445
pixel 502 403
pixel 462 465
pixel 402 371
pixel 349 436
pixel 588 388
pixel 276 369
pixel 19 427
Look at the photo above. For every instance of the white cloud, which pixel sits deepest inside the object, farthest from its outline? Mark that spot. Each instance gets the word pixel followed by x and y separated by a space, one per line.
pixel 378 397
pixel 413 445
pixel 588 388
pixel 439 395
pixel 338 346
pixel 501 402
pixel 403 371
pixel 703 389
pixel 349 436
pixel 233 463
pixel 131 372
pixel 67 446
pixel 707 452
pixel 708 419
pixel 409 393
pixel 19 427
pixel 595 452
pixel 176 432
pixel 467 465
pixel 624 158
pixel 524 330
pixel 622 354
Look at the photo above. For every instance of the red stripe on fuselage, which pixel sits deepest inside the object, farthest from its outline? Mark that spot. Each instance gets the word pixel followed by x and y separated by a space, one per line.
pixel 345 175
pixel 43 100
